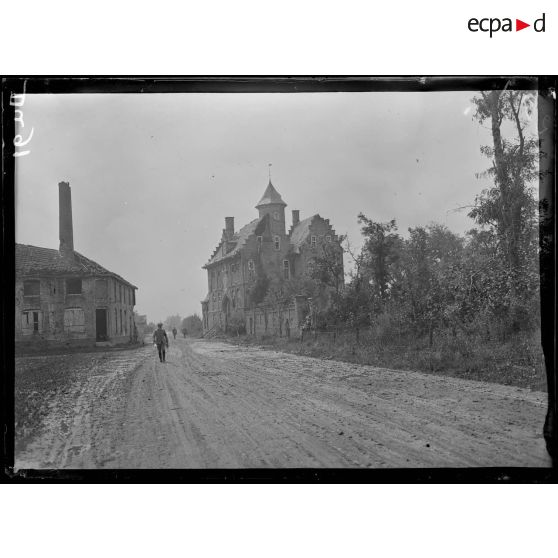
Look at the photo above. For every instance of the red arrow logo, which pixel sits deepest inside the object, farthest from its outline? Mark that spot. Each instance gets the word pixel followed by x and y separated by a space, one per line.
pixel 519 25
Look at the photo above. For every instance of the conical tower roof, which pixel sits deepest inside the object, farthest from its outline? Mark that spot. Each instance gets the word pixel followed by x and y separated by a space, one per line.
pixel 271 196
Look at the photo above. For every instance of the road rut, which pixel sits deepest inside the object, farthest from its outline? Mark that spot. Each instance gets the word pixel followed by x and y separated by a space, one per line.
pixel 214 405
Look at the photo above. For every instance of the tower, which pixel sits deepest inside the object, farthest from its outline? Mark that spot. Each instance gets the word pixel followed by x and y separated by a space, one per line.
pixel 271 204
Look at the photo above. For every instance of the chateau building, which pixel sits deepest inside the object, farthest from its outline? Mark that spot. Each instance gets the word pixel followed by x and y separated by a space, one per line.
pixel 261 248
pixel 64 297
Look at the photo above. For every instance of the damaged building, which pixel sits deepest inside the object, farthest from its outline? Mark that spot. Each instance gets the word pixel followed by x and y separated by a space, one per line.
pixel 264 248
pixel 64 298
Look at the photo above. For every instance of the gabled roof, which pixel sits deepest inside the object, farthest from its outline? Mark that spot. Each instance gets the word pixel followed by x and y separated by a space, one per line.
pixel 37 261
pixel 301 231
pixel 271 196
pixel 239 240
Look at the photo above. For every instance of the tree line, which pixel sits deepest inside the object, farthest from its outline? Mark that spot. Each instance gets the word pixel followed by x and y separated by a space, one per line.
pixel 484 283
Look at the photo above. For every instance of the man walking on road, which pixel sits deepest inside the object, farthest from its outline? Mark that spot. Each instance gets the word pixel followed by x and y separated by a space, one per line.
pixel 174 332
pixel 161 340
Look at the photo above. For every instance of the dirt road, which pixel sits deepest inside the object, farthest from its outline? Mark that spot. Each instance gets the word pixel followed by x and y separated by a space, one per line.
pixel 213 405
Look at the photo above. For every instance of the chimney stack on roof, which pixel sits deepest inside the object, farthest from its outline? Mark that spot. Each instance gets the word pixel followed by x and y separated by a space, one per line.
pixel 296 217
pixel 66 231
pixel 229 227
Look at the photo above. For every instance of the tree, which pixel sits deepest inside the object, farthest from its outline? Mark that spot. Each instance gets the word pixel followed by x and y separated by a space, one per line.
pixel 429 258
pixel 508 210
pixel 278 297
pixel 193 325
pixel 381 252
pixel 327 268
pixel 354 307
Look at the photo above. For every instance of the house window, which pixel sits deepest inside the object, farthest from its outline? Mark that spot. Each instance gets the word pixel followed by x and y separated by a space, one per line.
pixel 277 242
pixel 276 215
pixel 313 241
pixel 328 238
pixel 310 267
pixel 251 268
pixel 125 323
pixel 31 288
pixel 121 326
pixel 30 322
pixel 74 320
pixel 73 286
pixel 286 269
pixel 260 241
pixel 115 320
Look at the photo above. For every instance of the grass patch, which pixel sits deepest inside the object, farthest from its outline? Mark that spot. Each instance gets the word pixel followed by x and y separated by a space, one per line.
pixel 516 362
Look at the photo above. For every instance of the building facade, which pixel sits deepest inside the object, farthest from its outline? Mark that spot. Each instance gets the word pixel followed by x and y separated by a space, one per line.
pixel 64 297
pixel 262 248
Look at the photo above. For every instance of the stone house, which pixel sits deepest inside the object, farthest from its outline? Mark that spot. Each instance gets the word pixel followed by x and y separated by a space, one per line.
pixel 261 248
pixel 64 298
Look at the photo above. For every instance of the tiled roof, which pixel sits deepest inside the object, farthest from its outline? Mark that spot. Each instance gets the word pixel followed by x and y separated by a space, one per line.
pixel 239 238
pixel 301 232
pixel 34 260
pixel 271 195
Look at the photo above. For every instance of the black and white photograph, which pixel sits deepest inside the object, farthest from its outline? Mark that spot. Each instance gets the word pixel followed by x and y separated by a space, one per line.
pixel 276 279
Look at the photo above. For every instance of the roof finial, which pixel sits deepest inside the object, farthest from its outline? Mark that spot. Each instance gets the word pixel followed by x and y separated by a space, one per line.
pixel 269 171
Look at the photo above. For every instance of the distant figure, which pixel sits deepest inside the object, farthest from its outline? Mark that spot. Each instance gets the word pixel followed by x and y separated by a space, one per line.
pixel 161 340
pixel 184 332
pixel 174 332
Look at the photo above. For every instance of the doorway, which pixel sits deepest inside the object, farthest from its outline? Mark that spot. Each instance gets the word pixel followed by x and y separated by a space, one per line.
pixel 101 323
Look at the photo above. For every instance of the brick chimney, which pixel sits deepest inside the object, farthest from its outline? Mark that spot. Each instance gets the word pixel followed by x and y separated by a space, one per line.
pixel 229 226
pixel 66 231
pixel 296 217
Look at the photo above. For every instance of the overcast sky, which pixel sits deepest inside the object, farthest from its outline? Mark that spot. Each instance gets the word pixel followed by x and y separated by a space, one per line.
pixel 154 175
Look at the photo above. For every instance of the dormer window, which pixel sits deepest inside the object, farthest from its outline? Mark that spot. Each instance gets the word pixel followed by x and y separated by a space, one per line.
pixel 313 241
pixel 277 241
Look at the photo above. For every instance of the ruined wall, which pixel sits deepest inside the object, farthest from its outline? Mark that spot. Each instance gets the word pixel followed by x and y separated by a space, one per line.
pixel 56 315
pixel 265 320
